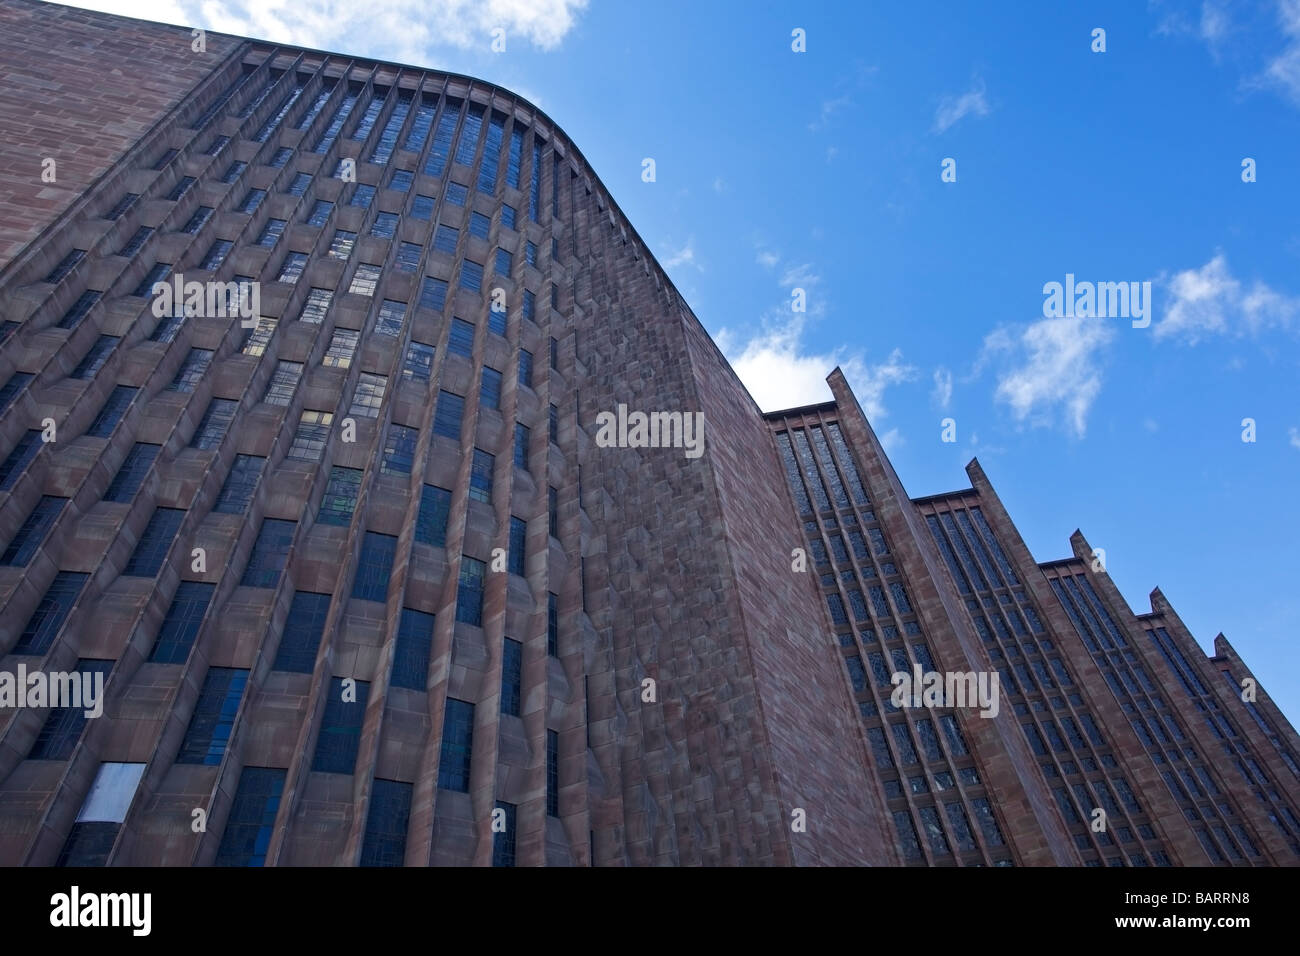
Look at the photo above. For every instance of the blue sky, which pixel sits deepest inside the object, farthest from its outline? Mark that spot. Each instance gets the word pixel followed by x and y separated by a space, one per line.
pixel 821 170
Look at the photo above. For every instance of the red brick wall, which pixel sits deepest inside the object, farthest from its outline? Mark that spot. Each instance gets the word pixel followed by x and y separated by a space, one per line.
pixel 81 88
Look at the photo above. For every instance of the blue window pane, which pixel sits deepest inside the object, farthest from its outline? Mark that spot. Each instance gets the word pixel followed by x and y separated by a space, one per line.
pixel 131 475
pixel 31 533
pixel 181 625
pixel 386 824
pixel 47 620
pixel 340 732
pixel 374 567
pixel 270 553
pixel 64 725
pixel 252 818
pixel 411 653
pixel 457 745
pixel 214 716
pixel 12 468
pixel 469 591
pixel 303 630
pixel 431 522
pixel 154 543
pixel 512 677
pixel 447 416
pixel 237 492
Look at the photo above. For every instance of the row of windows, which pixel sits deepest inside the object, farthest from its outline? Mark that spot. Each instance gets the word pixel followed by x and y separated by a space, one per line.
pixel 824 471
pixel 1161 734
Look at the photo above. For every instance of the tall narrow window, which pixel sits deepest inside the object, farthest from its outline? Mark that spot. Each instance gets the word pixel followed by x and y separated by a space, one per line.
pixel 214 716
pixel 155 541
pixel 518 545
pixel 181 625
pixel 191 371
pixel 96 357
pixel 480 476
pixel 431 521
pixel 270 553
pixel 512 677
pixel 457 745
pixel 114 408
pixel 399 450
pixel 386 824
pixel 374 567
pixel 64 725
pixel 340 731
pixel 490 389
pixel 131 475
pixel 303 630
pixel 411 652
pixel 469 591
pixel 311 437
pixel 340 499
pixel 503 840
pixel 448 414
pixel 17 461
pixel 252 818
pixel 522 436
pixel 553 624
pixel 31 533
pixel 552 773
pixel 51 613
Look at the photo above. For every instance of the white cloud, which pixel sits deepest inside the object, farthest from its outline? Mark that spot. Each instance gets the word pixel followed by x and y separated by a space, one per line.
pixel 1214 26
pixel 1293 434
pixel 403 30
pixel 952 109
pixel 1211 301
pixel 767 259
pixel 801 276
pixel 685 256
pixel 942 393
pixel 1283 71
pixel 780 373
pixel 829 109
pixel 1051 367
pixel 719 185
pixel 1217 30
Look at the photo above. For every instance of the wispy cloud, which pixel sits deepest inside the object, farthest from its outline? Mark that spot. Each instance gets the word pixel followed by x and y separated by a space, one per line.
pixel 942 393
pixel 1242 31
pixel 1211 301
pixel 1050 369
pixel 1293 434
pixel 396 29
pixel 952 109
pixel 845 88
pixel 1283 71
pixel 828 110
pixel 685 256
pixel 767 258
pixel 801 276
